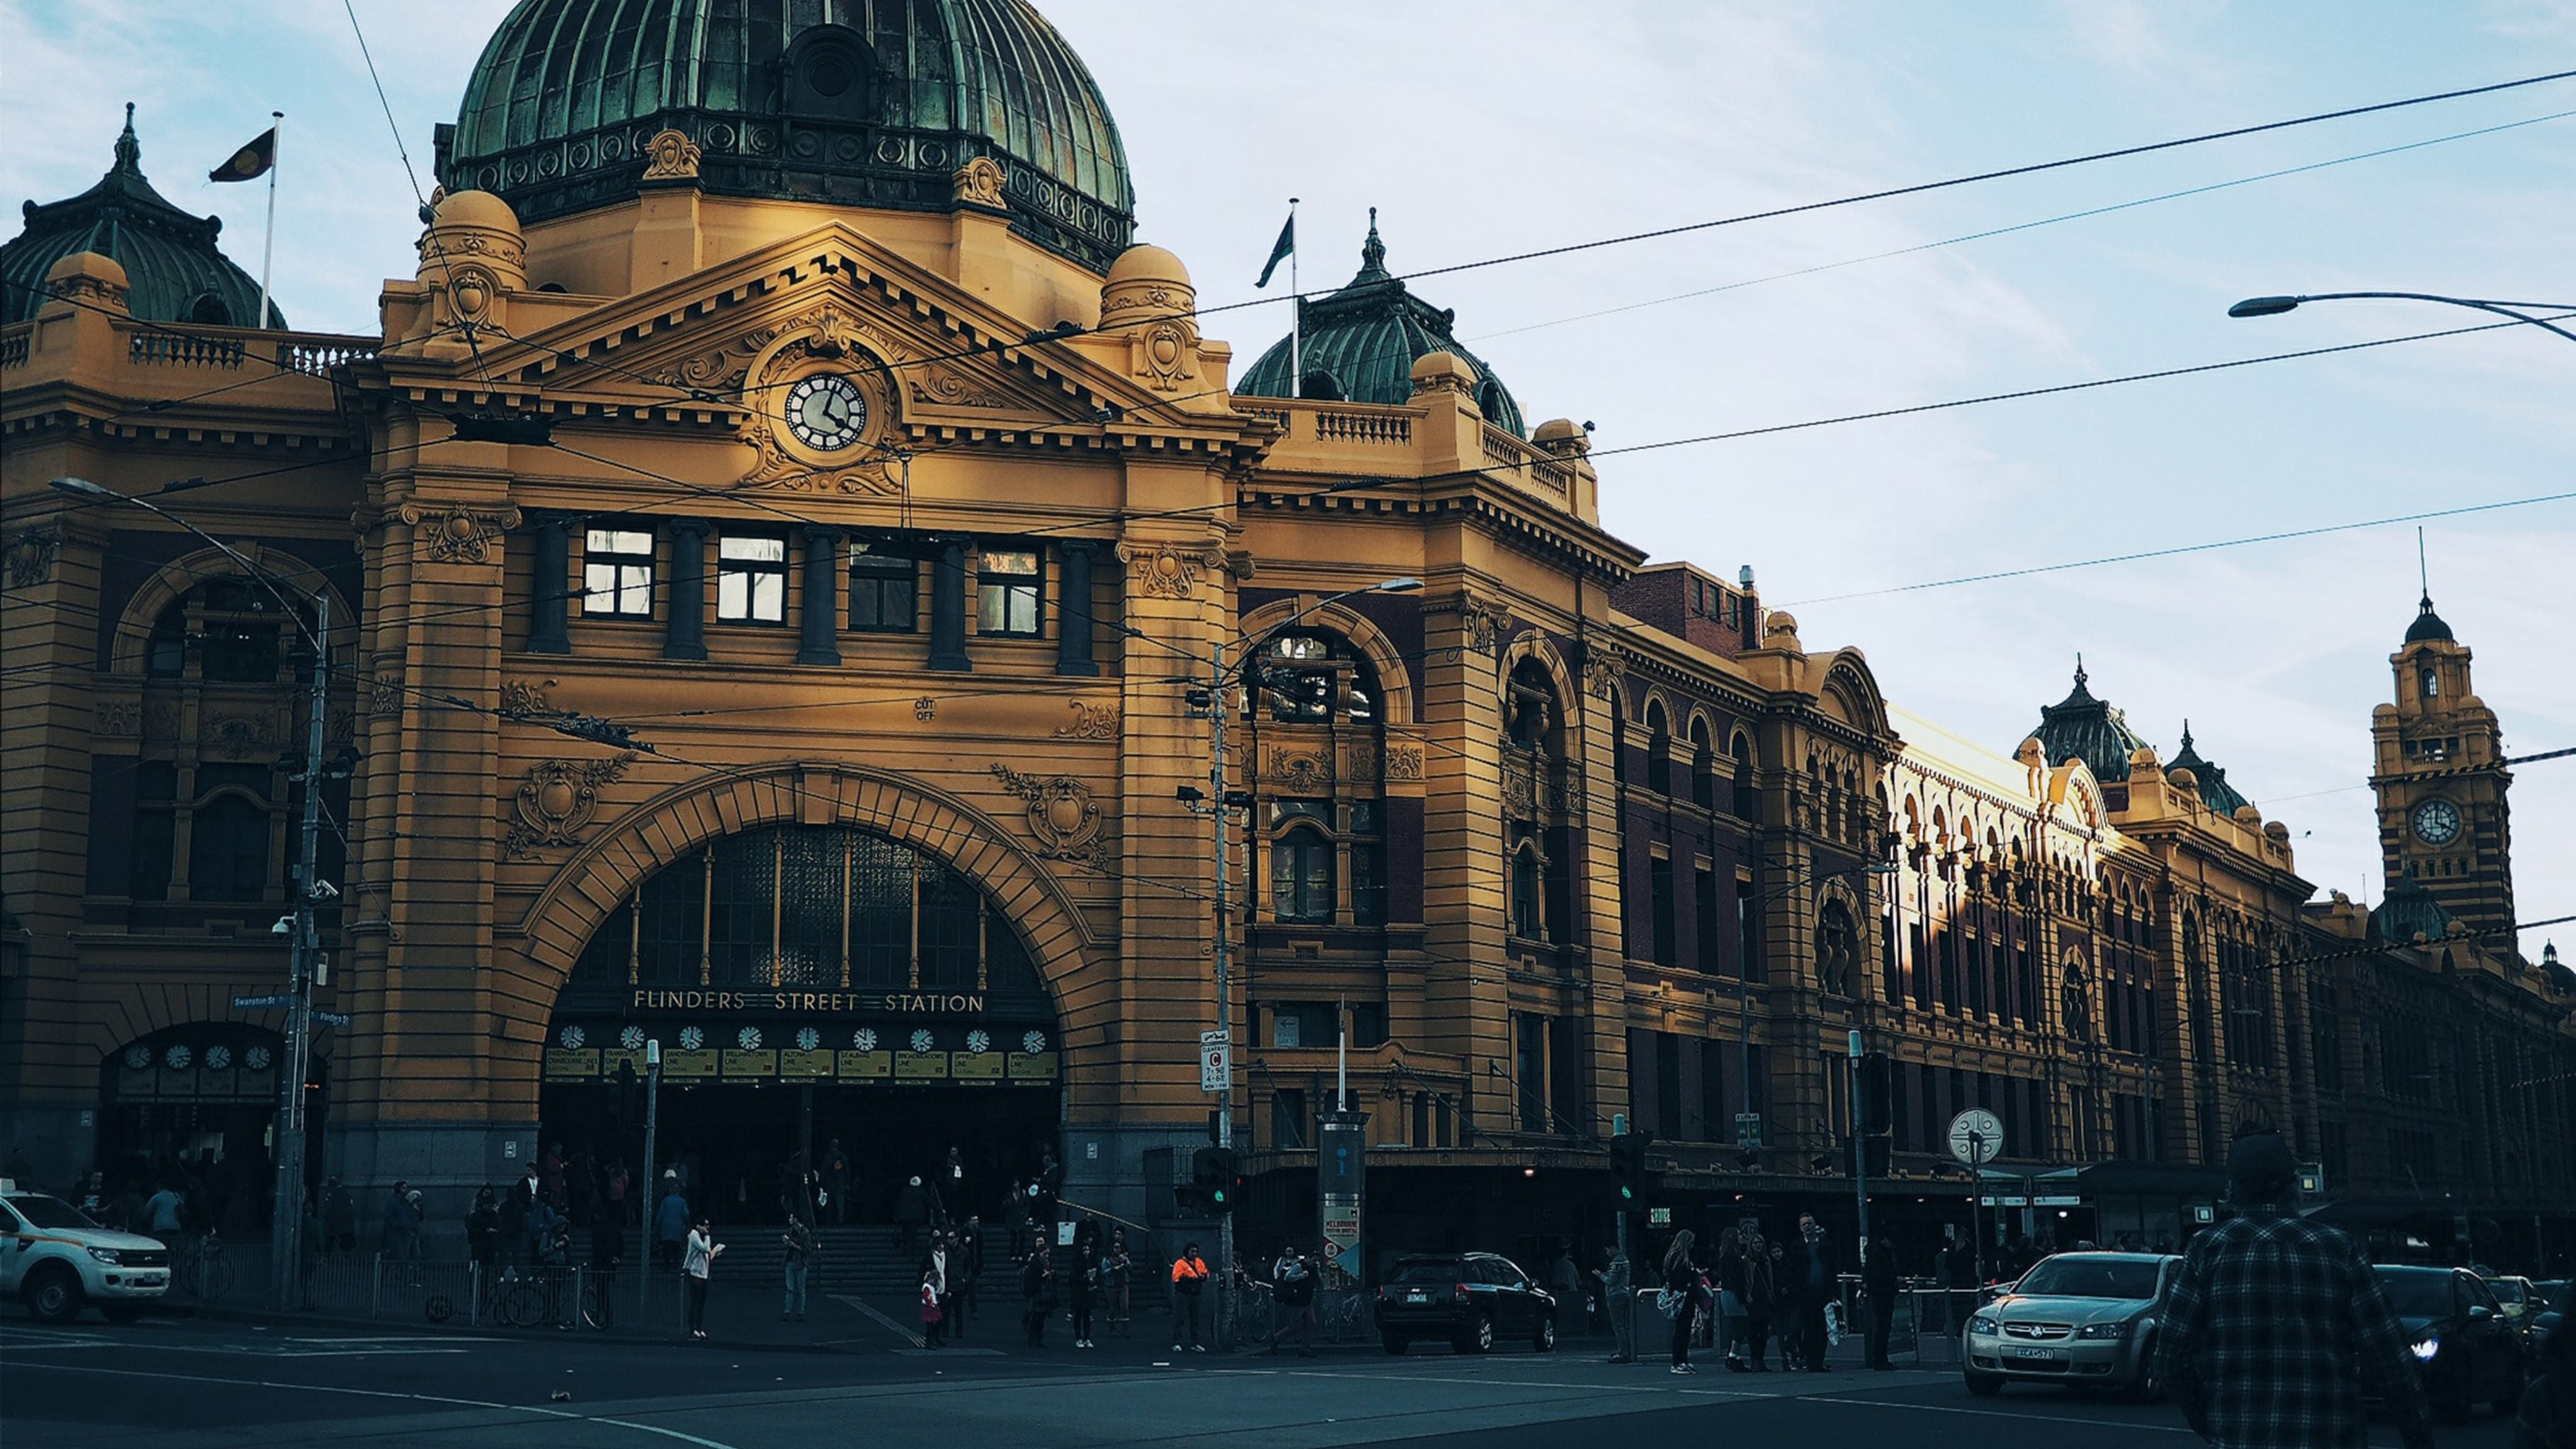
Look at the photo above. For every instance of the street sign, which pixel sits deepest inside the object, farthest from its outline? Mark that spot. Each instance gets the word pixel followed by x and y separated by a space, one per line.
pixel 1216 1062
pixel 1660 1217
pixel 255 1003
pixel 1976 1136
pixel 331 1018
pixel 1748 1129
pixel 2059 1202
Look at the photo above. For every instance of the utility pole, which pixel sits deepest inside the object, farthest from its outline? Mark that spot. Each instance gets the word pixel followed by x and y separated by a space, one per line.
pixel 286 1228
pixel 652 1184
pixel 1223 814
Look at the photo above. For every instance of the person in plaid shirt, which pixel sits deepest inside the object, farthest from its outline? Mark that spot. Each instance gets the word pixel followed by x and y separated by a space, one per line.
pixel 2275 1323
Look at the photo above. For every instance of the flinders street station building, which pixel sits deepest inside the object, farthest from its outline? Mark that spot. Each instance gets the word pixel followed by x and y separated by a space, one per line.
pixel 788 558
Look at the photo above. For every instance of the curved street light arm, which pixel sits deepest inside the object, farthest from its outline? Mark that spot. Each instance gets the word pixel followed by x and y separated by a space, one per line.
pixel 84 488
pixel 2518 311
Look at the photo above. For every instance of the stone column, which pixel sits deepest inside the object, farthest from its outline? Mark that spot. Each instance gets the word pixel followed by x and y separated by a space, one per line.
pixel 822 604
pixel 687 636
pixel 948 610
pixel 550 596
pixel 1074 623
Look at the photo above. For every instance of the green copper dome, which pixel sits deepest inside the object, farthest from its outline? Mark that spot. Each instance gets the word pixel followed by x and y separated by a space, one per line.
pixel 2082 727
pixel 173 268
pixel 2215 792
pixel 1361 342
pixel 2409 911
pixel 868 103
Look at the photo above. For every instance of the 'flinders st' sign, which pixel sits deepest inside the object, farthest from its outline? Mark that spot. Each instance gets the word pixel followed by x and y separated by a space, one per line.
pixel 809 1001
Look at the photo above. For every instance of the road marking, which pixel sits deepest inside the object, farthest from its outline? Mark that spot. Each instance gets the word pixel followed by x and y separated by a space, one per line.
pixel 1996 1414
pixel 414 1398
pixel 851 1300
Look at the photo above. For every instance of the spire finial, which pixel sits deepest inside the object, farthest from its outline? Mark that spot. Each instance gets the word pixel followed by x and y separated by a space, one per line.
pixel 1372 251
pixel 2186 732
pixel 129 152
pixel 2423 572
pixel 2079 669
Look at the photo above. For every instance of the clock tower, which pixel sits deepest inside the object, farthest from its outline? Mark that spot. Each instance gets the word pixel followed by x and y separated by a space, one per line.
pixel 2438 768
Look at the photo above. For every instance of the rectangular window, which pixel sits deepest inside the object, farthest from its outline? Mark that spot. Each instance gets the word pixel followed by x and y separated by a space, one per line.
pixel 1288 1117
pixel 1668 1085
pixel 1976 951
pixel 751 579
pixel 1659 887
pixel 1007 585
pixel 881 591
pixel 1302 1024
pixel 616 574
pixel 1368 1025
pixel 1748 932
pixel 1531 1064
pixel 1704 917
pixel 239 653
pixel 228 850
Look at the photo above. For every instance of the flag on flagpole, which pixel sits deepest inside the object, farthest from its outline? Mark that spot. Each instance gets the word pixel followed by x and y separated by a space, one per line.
pixel 1280 250
pixel 251 162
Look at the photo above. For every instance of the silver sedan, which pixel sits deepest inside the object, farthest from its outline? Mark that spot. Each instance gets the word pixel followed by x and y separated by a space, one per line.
pixel 2087 1319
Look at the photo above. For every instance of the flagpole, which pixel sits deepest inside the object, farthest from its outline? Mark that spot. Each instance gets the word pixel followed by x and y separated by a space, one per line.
pixel 1296 313
pixel 268 238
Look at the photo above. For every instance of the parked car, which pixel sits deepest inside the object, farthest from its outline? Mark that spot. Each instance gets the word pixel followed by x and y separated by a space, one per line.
pixel 2074 1318
pixel 59 1261
pixel 1469 1299
pixel 2469 1351
pixel 2550 1319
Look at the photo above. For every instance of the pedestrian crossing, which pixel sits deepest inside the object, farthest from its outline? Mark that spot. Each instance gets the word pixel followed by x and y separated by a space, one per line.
pixel 23 1338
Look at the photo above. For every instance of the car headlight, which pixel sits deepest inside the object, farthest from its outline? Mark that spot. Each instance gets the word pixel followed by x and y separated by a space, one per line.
pixel 107 1255
pixel 1985 1323
pixel 2118 1329
pixel 2426 1347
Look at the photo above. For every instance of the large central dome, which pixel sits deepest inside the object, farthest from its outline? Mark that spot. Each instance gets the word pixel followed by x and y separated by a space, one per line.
pixel 861 102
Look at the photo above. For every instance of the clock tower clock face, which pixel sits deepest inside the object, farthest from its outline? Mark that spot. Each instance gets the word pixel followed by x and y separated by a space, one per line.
pixel 2437 822
pixel 826 412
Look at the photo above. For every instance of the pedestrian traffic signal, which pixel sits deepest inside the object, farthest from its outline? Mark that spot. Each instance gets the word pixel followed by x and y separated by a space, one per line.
pixel 1214 1173
pixel 1630 1175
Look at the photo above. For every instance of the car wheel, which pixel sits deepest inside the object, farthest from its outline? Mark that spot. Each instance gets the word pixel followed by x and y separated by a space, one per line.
pixel 54 1294
pixel 1985 1386
pixel 1545 1342
pixel 2146 1388
pixel 121 1312
pixel 1479 1337
pixel 1394 1342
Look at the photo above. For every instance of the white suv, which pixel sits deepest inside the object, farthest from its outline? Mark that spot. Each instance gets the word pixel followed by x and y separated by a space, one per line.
pixel 58 1260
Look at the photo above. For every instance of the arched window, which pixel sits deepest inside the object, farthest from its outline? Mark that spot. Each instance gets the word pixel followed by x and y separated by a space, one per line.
pixel 209 310
pixel 1837 950
pixel 1301 877
pixel 1309 678
pixel 1534 721
pixel 1659 750
pixel 1703 767
pixel 228 850
pixel 1529 916
pixel 1748 806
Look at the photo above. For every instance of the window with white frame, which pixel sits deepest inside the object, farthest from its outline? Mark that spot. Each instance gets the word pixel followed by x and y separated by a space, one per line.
pixel 617 573
pixel 751 579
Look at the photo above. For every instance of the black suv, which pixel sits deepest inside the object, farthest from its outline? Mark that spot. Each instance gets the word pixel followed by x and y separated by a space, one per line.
pixel 2468 1350
pixel 1470 1299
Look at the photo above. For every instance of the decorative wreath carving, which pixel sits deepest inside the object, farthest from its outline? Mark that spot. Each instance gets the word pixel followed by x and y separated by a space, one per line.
pixel 671 156
pixel 1168 570
pixel 31 557
pixel 1165 355
pixel 1063 816
pixel 979 182
pixel 556 800
pixel 117 719
pixel 1090 722
pixel 456 533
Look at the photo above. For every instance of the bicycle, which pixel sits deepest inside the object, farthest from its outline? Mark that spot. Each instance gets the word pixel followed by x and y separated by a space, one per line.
pixel 201 1267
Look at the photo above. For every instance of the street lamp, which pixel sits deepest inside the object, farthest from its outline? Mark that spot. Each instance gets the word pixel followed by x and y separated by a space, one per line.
pixel 287 1230
pixel 2518 311
pixel 1219 810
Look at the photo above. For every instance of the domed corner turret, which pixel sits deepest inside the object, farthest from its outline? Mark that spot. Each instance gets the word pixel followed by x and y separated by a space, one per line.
pixel 85 278
pixel 2181 779
pixel 1780 631
pixel 1444 372
pixel 1149 307
pixel 1563 438
pixel 1146 281
pixel 2142 760
pixel 472 257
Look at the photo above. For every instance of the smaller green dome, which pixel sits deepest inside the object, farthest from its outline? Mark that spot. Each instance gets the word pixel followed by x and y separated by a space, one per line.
pixel 1359 345
pixel 2083 727
pixel 2215 792
pixel 2410 911
pixel 173 268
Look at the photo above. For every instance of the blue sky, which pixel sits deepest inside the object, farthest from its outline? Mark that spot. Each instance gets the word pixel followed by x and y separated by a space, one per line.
pixel 1487 128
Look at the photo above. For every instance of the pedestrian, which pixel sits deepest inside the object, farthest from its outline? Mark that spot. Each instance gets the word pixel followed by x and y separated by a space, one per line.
pixel 512 1210
pixel 930 1310
pixel 1813 1263
pixel 1565 1282
pixel 617 1186
pixel 911 1212
pixel 554 1177
pixel 483 1237
pixel 1037 1290
pixel 607 1250
pixel 2275 1323
pixel 798 1244
pixel 670 1220
pixel 165 1213
pixel 1189 1286
pixel 1761 1300
pixel 1680 1297
pixel 1117 1278
pixel 965 1274
pixel 339 1218
pixel 1726 1275
pixel 1878 1287
pixel 401 1227
pixel 697 1266
pixel 952 1182
pixel 1619 1300
pixel 2548 1416
pixel 836 1181
pixel 1083 1282
pixel 1292 1288
pixel 934 1267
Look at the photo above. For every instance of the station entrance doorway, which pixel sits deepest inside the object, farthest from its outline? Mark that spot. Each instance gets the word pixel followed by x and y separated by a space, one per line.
pixel 825 1001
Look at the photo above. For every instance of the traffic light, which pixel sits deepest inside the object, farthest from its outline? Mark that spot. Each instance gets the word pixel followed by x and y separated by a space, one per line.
pixel 1213 1177
pixel 1870 1098
pixel 1630 1175
pixel 1874 1150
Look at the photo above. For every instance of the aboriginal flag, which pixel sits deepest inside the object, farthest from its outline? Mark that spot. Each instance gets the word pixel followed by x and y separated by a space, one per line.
pixel 251 162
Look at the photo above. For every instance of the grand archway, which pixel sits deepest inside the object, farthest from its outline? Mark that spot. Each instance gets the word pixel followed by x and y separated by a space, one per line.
pixel 815 991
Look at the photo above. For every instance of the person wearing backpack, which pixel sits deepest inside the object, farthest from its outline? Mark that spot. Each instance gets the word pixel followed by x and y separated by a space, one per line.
pixel 1293 1289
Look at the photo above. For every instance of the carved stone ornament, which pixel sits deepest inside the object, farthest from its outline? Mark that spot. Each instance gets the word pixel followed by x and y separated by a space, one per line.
pixel 1403 761
pixel 1090 722
pixel 117 719
pixel 1303 774
pixel 1601 674
pixel 1165 355
pixel 671 156
pixel 458 534
pixel 1063 816
pixel 470 290
pixel 1489 625
pixel 385 696
pixel 979 183
pixel 556 800
pixel 240 736
pixel 526 696
pixel 31 557
pixel 1167 570
pixel 824 335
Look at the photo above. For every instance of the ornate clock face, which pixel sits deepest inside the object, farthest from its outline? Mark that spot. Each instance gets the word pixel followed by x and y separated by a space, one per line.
pixel 826 412
pixel 2437 822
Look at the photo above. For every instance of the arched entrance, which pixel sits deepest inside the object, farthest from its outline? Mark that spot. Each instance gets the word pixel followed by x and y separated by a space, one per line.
pixel 808 985
pixel 195 1106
